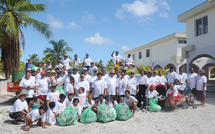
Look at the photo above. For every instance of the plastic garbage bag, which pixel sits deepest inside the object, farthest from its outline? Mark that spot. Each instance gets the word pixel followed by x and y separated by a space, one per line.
pixel 60 90
pixel 88 116
pixel 123 112
pixel 34 68
pixel 68 117
pixel 153 105
pixel 106 113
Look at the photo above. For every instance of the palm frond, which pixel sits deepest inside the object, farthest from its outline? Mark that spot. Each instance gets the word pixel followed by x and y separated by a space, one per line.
pixel 28 7
pixel 3 9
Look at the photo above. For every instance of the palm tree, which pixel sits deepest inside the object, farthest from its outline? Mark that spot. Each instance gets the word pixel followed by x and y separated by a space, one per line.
pixel 14 16
pixel 59 49
pixel 34 58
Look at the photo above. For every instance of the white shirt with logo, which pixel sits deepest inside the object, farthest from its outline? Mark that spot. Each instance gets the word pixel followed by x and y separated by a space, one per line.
pixel 143 80
pixel 129 61
pixel 192 78
pixel 24 82
pixel 133 85
pixel 43 86
pixel 66 62
pixel 60 107
pixel 200 83
pixel 171 77
pixel 99 87
pixel 83 84
pixel 122 85
pixel 182 78
pixel 77 62
pixel 87 61
pixel 117 58
pixel 163 80
pixel 111 83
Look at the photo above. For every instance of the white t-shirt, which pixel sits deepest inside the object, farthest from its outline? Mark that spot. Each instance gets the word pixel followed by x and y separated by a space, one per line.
pixel 35 115
pixel 192 79
pixel 91 70
pixel 77 62
pixel 99 103
pixel 117 58
pixel 38 76
pixel 182 78
pixel 59 80
pixel 129 61
pixel 99 87
pixel 122 85
pixel 126 76
pixel 51 116
pixel 82 99
pixel 162 80
pixel 174 92
pixel 153 93
pixel 76 77
pixel 200 83
pixel 66 81
pixel 48 67
pixel 83 84
pixel 68 102
pixel 52 97
pixel 60 107
pixel 151 81
pixel 87 78
pixel 143 80
pixel 171 77
pixel 79 109
pixel 59 65
pixel 88 104
pixel 133 85
pixel 111 83
pixel 26 83
pixel 93 78
pixel 113 105
pixel 66 62
pixel 105 77
pixel 87 61
pixel 33 78
pixel 19 106
pixel 156 80
pixel 70 88
pixel 43 86
pixel 127 100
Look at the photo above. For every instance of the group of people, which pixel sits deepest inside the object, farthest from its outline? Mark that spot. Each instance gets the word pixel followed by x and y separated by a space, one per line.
pixel 39 100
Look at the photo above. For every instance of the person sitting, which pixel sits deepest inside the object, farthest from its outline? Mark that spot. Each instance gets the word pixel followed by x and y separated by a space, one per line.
pixel 51 114
pixel 89 102
pixel 53 95
pixel 118 60
pixel 36 115
pixel 152 93
pixel 81 95
pixel 173 97
pixel 113 101
pixel 20 108
pixel 129 61
pixel 69 99
pixel 100 101
pixel 35 103
pixel 131 101
pixel 76 104
pixel 61 105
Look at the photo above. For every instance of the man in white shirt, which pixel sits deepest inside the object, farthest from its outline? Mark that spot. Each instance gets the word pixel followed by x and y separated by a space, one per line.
pixel 48 66
pixel 59 65
pixel 76 75
pixel 93 78
pixel 86 75
pixel 111 84
pixel 133 84
pixel 172 77
pixel 92 67
pixel 182 78
pixel 84 84
pixel 150 78
pixel 66 79
pixel 192 77
pixel 66 61
pixel 125 71
pixel 129 61
pixel 130 101
pixel 104 73
pixel 117 59
pixel 87 61
pixel 99 87
pixel 76 61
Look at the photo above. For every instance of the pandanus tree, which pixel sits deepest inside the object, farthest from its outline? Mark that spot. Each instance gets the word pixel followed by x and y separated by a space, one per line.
pixel 14 16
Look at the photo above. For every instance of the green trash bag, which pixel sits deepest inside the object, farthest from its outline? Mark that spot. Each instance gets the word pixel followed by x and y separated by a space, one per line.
pixel 153 105
pixel 123 112
pixel 34 68
pixel 106 113
pixel 68 117
pixel 88 116
pixel 60 90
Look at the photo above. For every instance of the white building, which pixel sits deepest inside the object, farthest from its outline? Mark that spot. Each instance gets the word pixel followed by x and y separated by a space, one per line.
pixel 193 48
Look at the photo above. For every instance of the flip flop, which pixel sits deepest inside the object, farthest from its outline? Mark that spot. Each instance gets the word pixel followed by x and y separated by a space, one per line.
pixel 26 129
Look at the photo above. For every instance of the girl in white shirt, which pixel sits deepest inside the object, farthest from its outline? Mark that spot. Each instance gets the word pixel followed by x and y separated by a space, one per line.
pixel 89 102
pixel 61 105
pixel 113 101
pixel 71 86
pixel 100 101
pixel 51 114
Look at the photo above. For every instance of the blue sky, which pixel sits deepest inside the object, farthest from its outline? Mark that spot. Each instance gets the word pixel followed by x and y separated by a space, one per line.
pixel 99 27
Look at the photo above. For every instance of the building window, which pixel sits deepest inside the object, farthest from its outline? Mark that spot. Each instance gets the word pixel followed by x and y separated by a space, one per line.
pixel 133 56
pixel 202 26
pixel 147 52
pixel 182 41
pixel 140 55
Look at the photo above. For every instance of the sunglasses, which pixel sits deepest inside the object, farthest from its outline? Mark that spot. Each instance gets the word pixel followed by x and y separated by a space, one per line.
pixel 122 74
pixel 132 73
pixel 112 73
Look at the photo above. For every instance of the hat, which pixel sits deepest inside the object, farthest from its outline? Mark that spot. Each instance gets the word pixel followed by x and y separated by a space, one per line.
pixel 132 71
pixel 125 69
pixel 152 86
pixel 36 95
pixel 201 70
pixel 53 71
pixel 87 54
pixel 85 69
pixel 155 71
pixel 75 68
pixel 112 72
pixel 95 70
pixel 69 70
pixel 65 55
pixel 42 73
pixel 149 72
pixel 49 61
pixel 29 69
pixel 82 75
pixel 70 93
pixel 92 62
pixel 53 85
pixel 21 93
pixel 48 71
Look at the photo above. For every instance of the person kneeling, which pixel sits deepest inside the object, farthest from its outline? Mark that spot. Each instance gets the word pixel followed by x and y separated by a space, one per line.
pixel 131 101
pixel 100 101
pixel 36 115
pixel 76 104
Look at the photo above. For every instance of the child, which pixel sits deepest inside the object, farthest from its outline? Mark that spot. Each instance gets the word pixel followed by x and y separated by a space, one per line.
pixel 113 101
pixel 36 115
pixel 70 86
pixel 76 104
pixel 52 96
pixel 152 93
pixel 69 100
pixel 51 114
pixel 100 101
pixel 61 105
pixel 35 103
pixel 130 101
pixel 81 96
pixel 89 102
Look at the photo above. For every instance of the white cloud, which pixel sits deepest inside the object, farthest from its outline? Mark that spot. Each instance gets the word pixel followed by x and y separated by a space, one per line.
pixel 98 40
pixel 73 25
pixel 88 17
pixel 125 48
pixel 142 8
pixel 56 23
pixel 163 14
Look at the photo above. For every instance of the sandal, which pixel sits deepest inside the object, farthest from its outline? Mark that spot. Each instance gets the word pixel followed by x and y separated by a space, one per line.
pixel 26 129
pixel 15 123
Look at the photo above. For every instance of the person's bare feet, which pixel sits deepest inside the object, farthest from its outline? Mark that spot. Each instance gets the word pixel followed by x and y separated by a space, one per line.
pixel 50 125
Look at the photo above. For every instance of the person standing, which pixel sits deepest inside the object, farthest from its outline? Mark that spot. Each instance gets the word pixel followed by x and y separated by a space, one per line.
pixel 40 67
pixel 201 87
pixel 28 65
pixel 76 61
pixel 66 61
pixel 87 77
pixel 87 61
pixel 117 59
pixel 172 77
pixel 150 78
pixel 93 78
pixel 104 73
pixel 92 67
pixel 156 78
pixel 48 66
pixel 66 79
pixel 59 65
pixel 76 75
pixel 133 84
pixel 192 77
pixel 182 78
pixel 84 84
pixel 99 87
pixel 111 85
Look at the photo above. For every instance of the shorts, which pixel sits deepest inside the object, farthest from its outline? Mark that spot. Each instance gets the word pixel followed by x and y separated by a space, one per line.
pixel 121 95
pixel 16 115
pixel 42 96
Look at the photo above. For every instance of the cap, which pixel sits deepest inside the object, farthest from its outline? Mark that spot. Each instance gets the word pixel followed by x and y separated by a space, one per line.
pixel 82 75
pixel 42 73
pixel 132 71
pixel 95 69
pixel 87 54
pixel 36 95
pixel 65 55
pixel 70 93
pixel 92 62
pixel 48 71
pixel 85 69
pixel 29 69
pixel 155 71
pixel 69 70
pixel 152 86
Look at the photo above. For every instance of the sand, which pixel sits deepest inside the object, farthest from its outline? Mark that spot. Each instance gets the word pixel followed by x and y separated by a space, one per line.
pixel 194 121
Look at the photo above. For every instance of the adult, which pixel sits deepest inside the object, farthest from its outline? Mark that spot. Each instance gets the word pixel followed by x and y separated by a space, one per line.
pixel 66 61
pixel 129 61
pixel 173 97
pixel 59 79
pixel 192 77
pixel 116 71
pixel 133 84
pixel 156 78
pixel 118 60
pixel 122 85
pixel 182 77
pixel 118 76
pixel 125 71
pixel 76 61
pixel 42 86
pixel 162 79
pixel 131 101
pixel 66 79
pixel 28 64
pixel 150 78
pixel 58 65
pixel 84 84
pixel 40 67
pixel 33 75
pixel 75 74
pixel 111 85
pixel 201 87
pixel 99 87
pixel 19 109
pixel 87 61
pixel 48 65
pixel 48 74
pixel 28 86
pixel 161 87
pixel 143 87
pixel 93 78
pixel 172 77
pixel 92 67
pixel 87 77
pixel 104 73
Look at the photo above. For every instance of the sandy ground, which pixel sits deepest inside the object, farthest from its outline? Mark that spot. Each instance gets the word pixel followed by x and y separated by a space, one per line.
pixel 200 120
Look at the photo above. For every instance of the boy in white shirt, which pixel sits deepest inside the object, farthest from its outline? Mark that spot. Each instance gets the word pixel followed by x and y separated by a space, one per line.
pixel 36 115
pixel 51 114
pixel 130 101
pixel 99 87
pixel 61 105
pixel 52 96
pixel 76 104
pixel 152 93
pixel 69 99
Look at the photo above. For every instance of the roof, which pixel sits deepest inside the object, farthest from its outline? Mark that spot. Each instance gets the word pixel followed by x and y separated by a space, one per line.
pixel 207 5
pixel 156 42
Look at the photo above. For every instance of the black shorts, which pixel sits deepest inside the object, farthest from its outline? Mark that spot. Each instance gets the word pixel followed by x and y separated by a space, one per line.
pixel 194 92
pixel 16 115
pixel 121 95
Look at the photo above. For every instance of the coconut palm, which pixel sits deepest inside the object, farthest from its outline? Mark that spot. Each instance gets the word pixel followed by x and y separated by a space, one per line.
pixel 34 58
pixel 14 16
pixel 56 53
